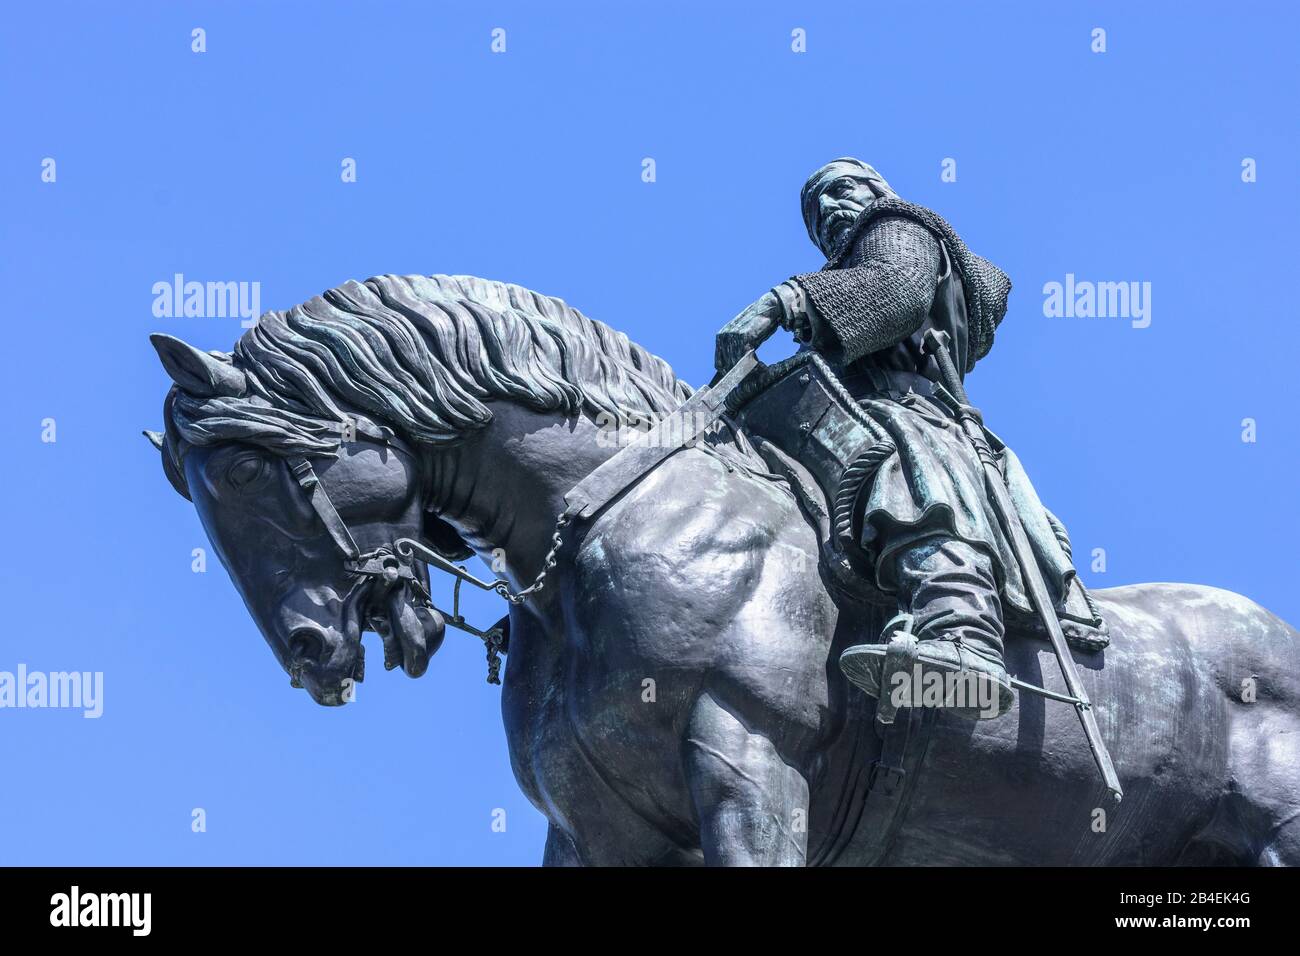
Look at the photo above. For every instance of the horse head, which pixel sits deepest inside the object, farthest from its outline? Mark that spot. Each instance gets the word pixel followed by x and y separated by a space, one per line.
pixel 343 426
pixel 262 517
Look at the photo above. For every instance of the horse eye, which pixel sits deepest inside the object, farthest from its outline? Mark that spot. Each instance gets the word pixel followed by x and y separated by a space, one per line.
pixel 246 471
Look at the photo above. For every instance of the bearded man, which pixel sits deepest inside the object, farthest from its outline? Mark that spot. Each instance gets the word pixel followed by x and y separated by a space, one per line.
pixel 895 270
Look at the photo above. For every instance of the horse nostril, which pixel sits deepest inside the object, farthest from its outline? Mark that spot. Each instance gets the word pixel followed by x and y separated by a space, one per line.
pixel 306 644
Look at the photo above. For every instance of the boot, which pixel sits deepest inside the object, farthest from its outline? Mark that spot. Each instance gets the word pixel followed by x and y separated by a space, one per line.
pixel 955 617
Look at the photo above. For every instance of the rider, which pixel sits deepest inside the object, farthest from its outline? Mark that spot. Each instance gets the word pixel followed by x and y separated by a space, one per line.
pixel 893 271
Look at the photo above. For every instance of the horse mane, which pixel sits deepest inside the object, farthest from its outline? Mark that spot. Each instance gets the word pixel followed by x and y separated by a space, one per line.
pixel 425 356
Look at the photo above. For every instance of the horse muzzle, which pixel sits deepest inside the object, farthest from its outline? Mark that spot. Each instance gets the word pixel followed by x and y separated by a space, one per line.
pixel 327 667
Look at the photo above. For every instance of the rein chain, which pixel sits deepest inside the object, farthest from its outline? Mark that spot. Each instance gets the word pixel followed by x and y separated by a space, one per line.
pixel 389 565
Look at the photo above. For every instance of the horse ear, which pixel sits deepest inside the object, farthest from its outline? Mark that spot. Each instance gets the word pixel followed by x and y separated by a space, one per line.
pixel 155 438
pixel 196 372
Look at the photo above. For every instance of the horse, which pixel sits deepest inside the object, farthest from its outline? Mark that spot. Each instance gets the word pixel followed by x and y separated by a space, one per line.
pixel 672 694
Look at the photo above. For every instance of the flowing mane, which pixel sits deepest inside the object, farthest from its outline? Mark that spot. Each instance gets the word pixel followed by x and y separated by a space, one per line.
pixel 424 356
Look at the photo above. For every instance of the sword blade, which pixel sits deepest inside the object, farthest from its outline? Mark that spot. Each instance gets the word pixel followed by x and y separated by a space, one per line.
pixel 936 344
pixel 1037 588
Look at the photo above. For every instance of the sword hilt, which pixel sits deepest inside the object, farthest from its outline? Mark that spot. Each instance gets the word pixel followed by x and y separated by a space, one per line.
pixel 935 344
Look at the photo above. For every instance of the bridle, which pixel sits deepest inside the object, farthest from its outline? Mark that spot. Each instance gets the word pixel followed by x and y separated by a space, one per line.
pixel 395 563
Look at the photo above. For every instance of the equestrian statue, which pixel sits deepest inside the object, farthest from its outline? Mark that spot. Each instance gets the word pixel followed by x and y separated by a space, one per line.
pixel 812 613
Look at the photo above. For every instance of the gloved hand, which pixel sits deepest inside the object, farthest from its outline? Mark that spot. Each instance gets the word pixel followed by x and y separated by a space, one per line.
pixel 746 331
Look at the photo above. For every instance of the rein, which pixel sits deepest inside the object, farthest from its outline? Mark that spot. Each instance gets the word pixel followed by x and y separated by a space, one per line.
pixel 396 562
pixel 391 564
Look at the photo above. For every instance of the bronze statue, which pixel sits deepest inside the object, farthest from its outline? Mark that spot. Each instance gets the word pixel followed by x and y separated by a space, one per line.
pixel 679 607
pixel 893 271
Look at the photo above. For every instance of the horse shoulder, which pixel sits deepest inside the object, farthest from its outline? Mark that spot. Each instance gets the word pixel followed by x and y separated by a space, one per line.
pixel 713 575
pixel 689 539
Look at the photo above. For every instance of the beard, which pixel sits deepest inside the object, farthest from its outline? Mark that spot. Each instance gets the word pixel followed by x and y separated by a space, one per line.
pixel 836 228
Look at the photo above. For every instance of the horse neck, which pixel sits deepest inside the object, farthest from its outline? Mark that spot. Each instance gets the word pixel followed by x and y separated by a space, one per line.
pixel 503 488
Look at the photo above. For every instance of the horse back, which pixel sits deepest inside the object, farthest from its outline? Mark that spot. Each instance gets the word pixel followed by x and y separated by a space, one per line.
pixel 1192 744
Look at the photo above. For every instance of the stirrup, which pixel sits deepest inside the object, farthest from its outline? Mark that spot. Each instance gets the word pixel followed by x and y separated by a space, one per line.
pixel 873 668
pixel 900 655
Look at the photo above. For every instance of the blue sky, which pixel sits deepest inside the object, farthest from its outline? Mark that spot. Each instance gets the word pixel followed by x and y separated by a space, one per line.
pixel 526 166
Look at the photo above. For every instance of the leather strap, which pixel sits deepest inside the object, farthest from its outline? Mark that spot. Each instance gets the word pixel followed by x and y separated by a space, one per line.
pixel 338 530
pixel 887 773
pixel 904 734
pixel 666 436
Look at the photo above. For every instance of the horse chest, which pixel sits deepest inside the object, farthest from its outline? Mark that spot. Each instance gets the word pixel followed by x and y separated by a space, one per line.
pixel 563 752
pixel 546 750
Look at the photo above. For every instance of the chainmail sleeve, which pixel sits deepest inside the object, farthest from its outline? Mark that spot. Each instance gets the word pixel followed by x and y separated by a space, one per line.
pixel 879 296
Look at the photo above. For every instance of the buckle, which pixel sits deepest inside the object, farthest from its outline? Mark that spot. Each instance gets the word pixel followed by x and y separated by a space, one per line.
pixel 382 564
pixel 304 473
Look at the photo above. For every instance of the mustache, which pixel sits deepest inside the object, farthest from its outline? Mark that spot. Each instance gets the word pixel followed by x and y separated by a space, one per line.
pixel 842 216
pixel 834 227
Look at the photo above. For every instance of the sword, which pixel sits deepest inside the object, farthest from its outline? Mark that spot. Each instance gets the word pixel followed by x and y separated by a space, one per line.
pixel 936 344
pixel 678 429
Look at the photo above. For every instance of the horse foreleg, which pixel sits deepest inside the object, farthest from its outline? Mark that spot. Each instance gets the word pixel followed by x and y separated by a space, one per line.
pixel 752 806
